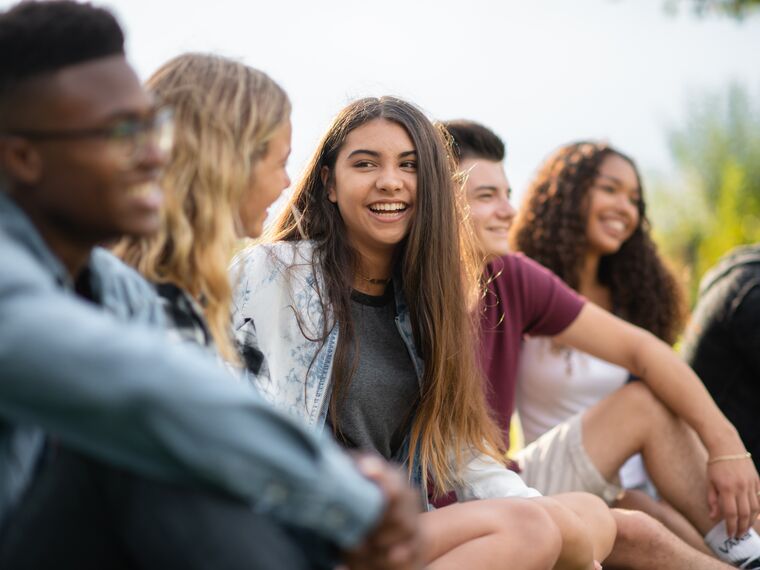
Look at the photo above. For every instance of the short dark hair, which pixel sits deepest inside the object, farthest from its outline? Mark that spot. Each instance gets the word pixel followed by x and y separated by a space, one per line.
pixel 42 37
pixel 473 140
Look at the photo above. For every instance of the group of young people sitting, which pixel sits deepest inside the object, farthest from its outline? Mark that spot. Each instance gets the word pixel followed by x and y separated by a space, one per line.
pixel 169 400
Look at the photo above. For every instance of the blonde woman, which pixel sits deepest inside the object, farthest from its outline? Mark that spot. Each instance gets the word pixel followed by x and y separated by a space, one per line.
pixel 232 141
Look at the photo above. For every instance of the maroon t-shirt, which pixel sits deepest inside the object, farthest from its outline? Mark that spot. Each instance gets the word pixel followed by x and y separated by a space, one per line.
pixel 522 298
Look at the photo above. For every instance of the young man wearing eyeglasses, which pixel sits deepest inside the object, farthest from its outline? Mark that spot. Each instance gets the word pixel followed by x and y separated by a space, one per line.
pixel 83 357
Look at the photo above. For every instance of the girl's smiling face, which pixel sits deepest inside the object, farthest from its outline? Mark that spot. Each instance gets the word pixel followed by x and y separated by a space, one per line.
pixel 613 205
pixel 374 185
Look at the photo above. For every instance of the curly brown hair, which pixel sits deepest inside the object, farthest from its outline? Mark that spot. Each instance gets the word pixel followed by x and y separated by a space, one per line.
pixel 551 228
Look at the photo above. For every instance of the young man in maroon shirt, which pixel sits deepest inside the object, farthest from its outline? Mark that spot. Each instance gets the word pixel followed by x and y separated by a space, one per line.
pixel 523 298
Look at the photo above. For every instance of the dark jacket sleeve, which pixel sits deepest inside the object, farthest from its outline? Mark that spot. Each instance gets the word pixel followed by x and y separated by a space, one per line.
pixel 745 325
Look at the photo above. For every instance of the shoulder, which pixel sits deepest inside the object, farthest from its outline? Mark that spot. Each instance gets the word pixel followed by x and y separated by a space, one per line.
pixel 543 302
pixel 738 266
pixel 273 257
pixel 124 291
pixel 22 270
pixel 267 271
pixel 110 268
pixel 515 274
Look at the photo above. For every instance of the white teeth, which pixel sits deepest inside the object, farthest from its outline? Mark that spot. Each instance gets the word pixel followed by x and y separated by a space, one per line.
pixel 615 225
pixel 385 207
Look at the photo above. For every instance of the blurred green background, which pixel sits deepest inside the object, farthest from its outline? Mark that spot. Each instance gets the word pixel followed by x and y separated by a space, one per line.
pixel 712 202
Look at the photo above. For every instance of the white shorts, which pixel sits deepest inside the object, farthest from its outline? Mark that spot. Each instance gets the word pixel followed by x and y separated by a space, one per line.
pixel 558 463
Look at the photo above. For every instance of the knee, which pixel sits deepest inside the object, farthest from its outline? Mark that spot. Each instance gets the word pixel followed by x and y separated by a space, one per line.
pixel 523 521
pixel 646 407
pixel 634 500
pixel 534 520
pixel 637 529
pixel 598 519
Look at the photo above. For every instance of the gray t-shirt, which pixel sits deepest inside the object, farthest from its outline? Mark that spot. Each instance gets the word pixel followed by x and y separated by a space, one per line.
pixel 377 409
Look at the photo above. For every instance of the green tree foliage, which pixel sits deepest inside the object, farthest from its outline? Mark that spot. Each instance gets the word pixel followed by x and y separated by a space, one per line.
pixel 714 203
pixel 735 8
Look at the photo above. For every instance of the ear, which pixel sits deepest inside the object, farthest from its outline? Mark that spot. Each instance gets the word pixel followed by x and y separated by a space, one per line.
pixel 324 174
pixel 20 161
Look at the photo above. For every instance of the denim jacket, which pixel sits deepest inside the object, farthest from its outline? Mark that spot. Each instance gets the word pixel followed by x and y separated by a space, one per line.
pixel 107 381
pixel 278 310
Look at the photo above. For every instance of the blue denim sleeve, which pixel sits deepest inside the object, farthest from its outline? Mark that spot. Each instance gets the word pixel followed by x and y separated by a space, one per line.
pixel 124 394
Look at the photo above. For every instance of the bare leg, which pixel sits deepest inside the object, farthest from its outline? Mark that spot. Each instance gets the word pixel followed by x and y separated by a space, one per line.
pixel 586 525
pixel 667 515
pixel 645 544
pixel 633 420
pixel 491 534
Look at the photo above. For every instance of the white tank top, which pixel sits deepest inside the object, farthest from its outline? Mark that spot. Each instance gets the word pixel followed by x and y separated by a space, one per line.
pixel 554 384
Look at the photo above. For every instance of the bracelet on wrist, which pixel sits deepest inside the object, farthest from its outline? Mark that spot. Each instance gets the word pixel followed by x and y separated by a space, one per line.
pixel 734 457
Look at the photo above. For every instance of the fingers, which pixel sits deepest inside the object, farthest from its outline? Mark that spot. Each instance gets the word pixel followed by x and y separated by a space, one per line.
pixel 369 558
pixel 402 556
pixel 748 504
pixel 712 500
pixel 754 502
pixel 732 495
pixel 372 467
pixel 395 542
pixel 744 513
pixel 729 510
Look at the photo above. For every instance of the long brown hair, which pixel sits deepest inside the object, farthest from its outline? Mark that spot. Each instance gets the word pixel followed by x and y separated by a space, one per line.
pixel 551 228
pixel 438 269
pixel 225 114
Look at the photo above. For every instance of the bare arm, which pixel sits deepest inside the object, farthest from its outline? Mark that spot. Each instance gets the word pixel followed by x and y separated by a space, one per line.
pixel 597 332
pixel 605 336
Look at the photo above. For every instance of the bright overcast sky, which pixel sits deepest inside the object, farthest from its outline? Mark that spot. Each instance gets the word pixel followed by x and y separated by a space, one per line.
pixel 540 72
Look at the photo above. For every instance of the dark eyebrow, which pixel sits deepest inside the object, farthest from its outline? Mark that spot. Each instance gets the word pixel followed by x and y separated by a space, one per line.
pixel 377 154
pixel 614 179
pixel 490 187
pixel 363 151
pixel 617 181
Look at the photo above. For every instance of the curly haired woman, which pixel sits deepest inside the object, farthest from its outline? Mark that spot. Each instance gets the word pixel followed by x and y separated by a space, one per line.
pixel 584 218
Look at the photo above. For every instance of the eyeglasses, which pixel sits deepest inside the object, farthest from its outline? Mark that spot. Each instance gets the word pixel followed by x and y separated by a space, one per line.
pixel 130 138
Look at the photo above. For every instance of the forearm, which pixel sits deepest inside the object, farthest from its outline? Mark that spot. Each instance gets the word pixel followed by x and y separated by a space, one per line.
pixel 609 338
pixel 679 388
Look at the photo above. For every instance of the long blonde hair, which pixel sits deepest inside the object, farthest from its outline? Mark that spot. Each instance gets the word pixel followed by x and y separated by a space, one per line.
pixel 225 114
pixel 452 414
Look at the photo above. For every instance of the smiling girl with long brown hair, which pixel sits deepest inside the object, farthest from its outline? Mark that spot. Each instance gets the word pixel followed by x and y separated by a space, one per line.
pixel 358 301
